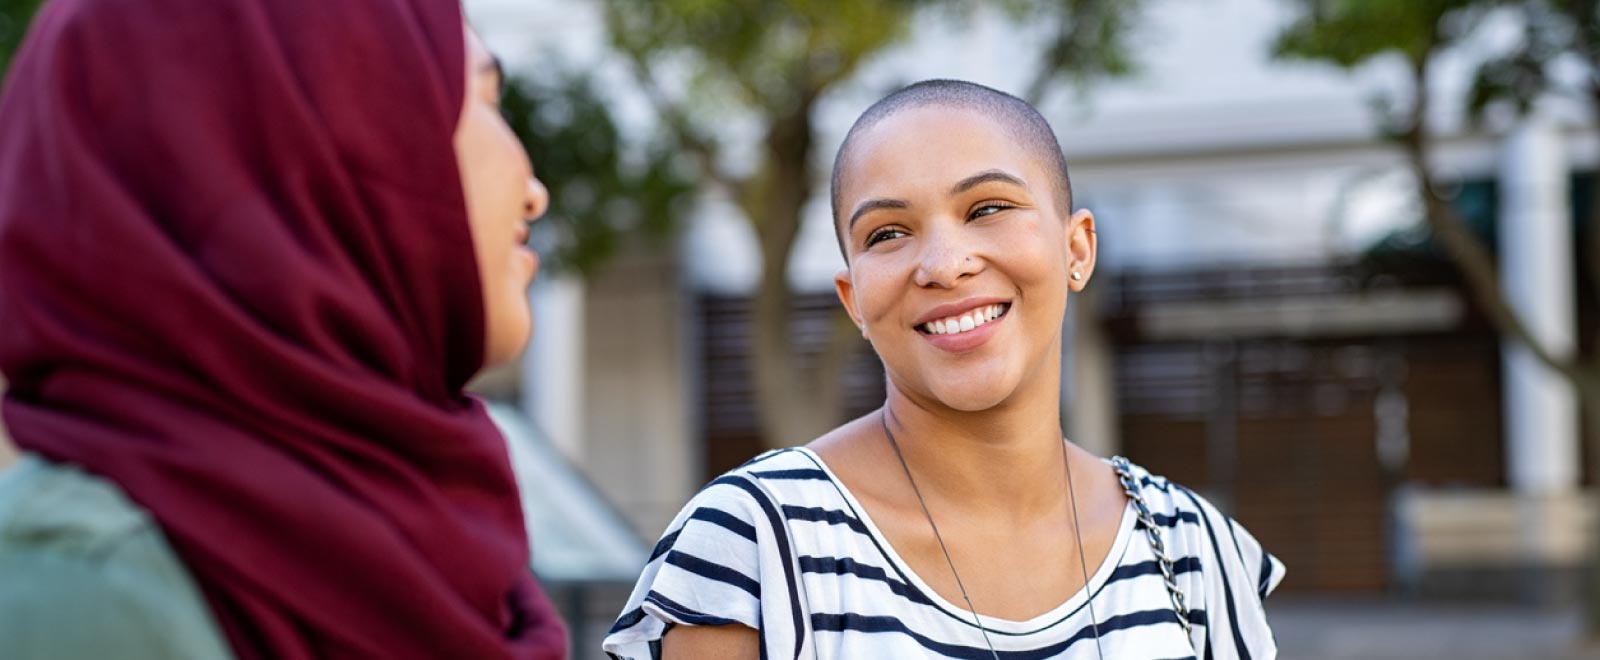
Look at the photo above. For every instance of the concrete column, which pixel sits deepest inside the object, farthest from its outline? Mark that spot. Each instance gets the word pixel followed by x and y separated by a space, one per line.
pixel 641 442
pixel 1536 270
pixel 1541 409
pixel 553 366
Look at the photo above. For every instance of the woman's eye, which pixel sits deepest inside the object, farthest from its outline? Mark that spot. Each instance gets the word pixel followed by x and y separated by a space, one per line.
pixel 989 208
pixel 884 234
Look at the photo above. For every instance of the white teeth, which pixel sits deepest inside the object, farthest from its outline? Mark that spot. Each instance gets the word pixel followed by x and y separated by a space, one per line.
pixel 965 322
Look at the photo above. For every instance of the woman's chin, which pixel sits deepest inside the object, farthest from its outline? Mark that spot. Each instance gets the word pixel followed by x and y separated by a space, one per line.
pixel 508 337
pixel 971 396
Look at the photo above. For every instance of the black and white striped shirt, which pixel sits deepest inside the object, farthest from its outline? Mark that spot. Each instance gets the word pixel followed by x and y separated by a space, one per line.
pixel 781 546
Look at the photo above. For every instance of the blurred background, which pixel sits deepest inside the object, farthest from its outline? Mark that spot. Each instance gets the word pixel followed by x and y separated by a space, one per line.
pixel 1349 285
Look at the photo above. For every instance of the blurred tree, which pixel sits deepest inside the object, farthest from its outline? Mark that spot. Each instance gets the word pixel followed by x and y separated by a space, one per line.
pixel 768 63
pixel 14 18
pixel 605 190
pixel 1349 33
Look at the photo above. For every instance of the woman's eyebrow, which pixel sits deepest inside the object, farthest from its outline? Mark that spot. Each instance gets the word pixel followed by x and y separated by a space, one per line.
pixel 873 205
pixel 986 176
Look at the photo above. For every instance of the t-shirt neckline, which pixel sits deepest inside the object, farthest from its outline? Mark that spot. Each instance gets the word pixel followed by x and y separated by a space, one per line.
pixel 1044 621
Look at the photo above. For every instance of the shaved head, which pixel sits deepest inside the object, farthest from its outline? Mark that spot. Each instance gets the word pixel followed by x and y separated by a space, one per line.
pixel 1014 115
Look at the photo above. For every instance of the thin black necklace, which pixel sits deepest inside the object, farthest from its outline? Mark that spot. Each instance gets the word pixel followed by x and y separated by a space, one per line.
pixel 1072 499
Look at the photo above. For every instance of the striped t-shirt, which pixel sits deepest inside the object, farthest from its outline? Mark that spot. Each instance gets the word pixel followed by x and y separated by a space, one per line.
pixel 780 545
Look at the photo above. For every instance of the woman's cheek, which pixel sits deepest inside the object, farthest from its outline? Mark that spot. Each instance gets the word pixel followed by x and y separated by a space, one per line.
pixel 875 299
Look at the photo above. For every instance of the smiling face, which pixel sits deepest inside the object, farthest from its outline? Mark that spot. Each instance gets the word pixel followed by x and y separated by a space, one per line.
pixel 959 260
pixel 502 198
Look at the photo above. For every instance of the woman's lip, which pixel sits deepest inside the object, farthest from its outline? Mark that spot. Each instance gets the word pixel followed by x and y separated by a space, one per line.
pixel 532 258
pixel 961 342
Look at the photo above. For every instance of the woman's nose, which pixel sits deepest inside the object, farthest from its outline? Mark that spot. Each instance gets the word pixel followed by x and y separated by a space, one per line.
pixel 946 260
pixel 536 199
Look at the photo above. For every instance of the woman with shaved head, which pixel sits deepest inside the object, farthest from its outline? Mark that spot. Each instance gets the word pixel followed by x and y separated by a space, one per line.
pixel 955 521
pixel 250 252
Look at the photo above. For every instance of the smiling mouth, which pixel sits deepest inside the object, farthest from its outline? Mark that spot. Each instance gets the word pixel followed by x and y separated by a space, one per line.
pixel 965 322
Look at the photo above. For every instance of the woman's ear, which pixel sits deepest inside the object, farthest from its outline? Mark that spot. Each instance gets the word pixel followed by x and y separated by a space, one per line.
pixel 1081 248
pixel 847 297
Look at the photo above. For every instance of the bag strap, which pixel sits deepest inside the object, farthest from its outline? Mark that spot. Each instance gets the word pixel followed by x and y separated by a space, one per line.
pixel 1130 486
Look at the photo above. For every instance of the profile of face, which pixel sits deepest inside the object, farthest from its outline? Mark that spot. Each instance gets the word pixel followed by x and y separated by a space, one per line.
pixel 502 197
pixel 960 259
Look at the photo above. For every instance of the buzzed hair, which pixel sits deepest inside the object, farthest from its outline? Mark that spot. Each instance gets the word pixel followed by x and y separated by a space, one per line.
pixel 1014 114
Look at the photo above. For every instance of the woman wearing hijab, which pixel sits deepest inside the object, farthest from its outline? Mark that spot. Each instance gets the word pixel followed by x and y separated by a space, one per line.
pixel 250 252
pixel 956 521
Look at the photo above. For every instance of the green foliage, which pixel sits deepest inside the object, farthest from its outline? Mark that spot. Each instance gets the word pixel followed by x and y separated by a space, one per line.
pixel 770 61
pixel 15 15
pixel 1348 33
pixel 1552 31
pixel 761 54
pixel 1089 39
pixel 604 192
pixel 768 56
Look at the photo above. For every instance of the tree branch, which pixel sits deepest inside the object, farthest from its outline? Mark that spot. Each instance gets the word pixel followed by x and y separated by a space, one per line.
pixel 1055 58
pixel 1476 263
pixel 677 121
pixel 1086 42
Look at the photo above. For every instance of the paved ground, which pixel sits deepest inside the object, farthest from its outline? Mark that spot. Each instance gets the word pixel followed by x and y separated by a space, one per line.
pixel 1334 630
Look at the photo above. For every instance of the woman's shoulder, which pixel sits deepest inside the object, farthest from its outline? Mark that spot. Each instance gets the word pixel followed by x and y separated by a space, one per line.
pixel 781 464
pixel 1160 494
pixel 57 506
pixel 88 572
pixel 790 476
pixel 1195 527
pixel 1170 503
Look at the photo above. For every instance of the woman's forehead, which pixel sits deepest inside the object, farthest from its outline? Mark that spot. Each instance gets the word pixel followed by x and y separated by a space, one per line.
pixel 933 145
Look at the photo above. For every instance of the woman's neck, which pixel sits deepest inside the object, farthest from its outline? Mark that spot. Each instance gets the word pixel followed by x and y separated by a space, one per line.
pixel 1007 458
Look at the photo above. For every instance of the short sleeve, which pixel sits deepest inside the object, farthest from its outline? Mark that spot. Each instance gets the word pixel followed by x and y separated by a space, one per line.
pixel 84 574
pixel 133 602
pixel 708 569
pixel 1237 575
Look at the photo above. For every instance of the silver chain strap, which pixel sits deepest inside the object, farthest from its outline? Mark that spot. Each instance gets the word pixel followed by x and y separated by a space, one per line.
pixel 1130 485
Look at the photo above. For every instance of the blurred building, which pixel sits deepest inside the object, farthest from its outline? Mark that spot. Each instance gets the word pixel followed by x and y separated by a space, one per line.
pixel 1266 325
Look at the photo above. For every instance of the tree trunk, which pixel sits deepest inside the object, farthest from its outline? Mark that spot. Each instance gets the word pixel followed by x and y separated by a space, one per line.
pixel 794 405
pixel 788 409
pixel 1478 266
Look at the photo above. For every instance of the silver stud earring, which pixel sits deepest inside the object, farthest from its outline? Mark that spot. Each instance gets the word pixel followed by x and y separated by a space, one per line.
pixel 1077 276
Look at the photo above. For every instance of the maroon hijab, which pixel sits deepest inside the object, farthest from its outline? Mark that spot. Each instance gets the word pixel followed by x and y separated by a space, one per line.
pixel 237 279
